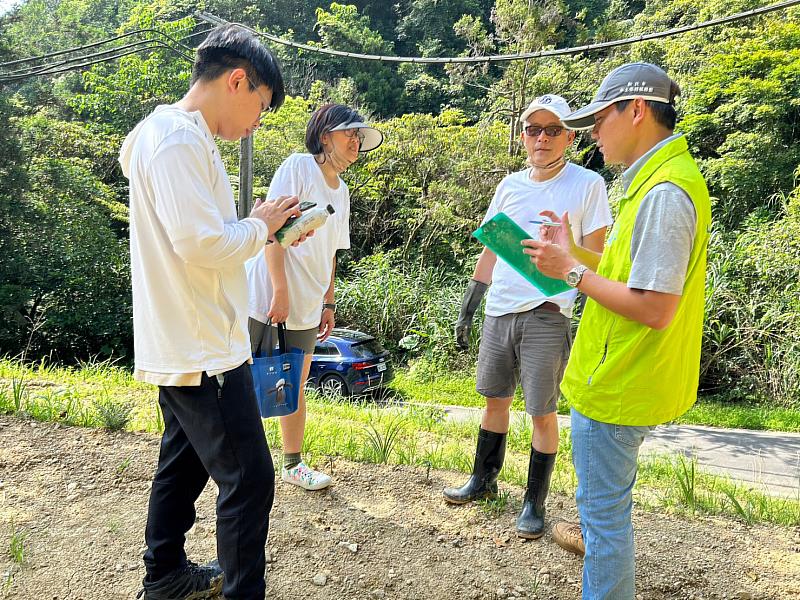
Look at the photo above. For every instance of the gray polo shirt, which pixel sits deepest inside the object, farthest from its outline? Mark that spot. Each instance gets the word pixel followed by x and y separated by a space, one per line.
pixel 663 234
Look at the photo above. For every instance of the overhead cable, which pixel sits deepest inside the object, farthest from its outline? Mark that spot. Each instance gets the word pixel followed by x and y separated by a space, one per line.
pixel 209 18
pixel 85 60
pixel 147 45
pixel 110 54
pixel 96 44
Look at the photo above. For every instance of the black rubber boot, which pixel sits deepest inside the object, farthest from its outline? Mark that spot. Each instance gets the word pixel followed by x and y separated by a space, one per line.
pixel 489 457
pixel 530 523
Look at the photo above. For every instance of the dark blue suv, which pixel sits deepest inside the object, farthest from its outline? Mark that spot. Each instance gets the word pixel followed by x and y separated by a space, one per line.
pixel 349 363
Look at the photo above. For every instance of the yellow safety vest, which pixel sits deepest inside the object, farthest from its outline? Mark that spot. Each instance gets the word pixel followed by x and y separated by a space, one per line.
pixel 621 371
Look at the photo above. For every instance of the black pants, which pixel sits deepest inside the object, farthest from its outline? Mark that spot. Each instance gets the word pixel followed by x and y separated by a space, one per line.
pixel 213 431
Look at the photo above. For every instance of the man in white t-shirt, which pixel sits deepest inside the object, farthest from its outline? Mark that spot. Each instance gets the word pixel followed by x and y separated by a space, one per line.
pixel 190 318
pixel 526 335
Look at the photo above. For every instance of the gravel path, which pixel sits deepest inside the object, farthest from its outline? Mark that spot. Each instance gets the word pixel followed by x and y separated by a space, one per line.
pixel 79 497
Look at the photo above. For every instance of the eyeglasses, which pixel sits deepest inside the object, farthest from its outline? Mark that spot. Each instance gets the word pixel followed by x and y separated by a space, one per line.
pixel 354 133
pixel 265 102
pixel 536 131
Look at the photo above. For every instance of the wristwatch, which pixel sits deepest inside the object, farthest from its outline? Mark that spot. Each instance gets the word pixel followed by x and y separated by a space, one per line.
pixel 330 305
pixel 575 274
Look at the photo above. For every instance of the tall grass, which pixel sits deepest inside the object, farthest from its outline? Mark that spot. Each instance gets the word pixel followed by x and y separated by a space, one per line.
pixel 685 476
pixel 751 337
pixel 381 438
pixel 113 414
pixel 19 392
pixel 397 301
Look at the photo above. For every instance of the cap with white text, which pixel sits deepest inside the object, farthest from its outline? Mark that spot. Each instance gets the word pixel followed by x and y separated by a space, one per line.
pixel 632 80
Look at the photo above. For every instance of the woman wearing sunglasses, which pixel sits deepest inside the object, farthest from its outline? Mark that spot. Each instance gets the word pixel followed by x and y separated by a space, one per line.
pixel 295 285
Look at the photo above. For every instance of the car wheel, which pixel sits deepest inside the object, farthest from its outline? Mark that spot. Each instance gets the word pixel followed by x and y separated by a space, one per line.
pixel 333 385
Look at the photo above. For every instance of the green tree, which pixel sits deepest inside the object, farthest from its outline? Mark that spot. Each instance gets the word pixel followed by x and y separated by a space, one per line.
pixel 751 345
pixel 377 84
pixel 739 104
pixel 67 283
pixel 119 94
pixel 12 183
pixel 427 187
pixel 427 25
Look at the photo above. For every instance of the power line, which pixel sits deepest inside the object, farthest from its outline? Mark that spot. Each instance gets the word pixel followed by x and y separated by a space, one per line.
pixel 85 60
pixel 110 54
pixel 93 45
pixel 209 18
pixel 54 69
pixel 176 45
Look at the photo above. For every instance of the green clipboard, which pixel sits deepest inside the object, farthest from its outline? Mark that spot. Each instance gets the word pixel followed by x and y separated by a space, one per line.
pixel 503 237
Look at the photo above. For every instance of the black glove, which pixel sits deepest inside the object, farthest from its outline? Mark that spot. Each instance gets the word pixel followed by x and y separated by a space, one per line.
pixel 469 304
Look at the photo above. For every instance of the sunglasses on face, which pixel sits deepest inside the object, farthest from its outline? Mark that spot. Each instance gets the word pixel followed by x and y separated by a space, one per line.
pixel 536 131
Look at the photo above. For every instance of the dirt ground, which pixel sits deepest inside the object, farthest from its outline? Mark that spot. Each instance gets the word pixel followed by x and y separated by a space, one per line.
pixel 79 497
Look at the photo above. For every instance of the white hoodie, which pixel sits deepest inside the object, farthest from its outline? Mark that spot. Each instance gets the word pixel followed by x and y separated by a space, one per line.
pixel 187 248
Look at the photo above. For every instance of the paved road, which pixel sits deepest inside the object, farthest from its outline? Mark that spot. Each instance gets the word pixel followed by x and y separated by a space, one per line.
pixel 769 461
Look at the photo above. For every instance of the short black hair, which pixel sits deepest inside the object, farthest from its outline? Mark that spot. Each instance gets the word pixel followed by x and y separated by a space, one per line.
pixel 325 118
pixel 664 114
pixel 231 47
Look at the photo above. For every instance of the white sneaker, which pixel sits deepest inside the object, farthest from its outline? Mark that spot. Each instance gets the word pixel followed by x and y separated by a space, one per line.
pixel 305 477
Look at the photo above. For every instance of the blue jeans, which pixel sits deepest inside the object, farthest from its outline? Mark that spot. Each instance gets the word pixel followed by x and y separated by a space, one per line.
pixel 605 458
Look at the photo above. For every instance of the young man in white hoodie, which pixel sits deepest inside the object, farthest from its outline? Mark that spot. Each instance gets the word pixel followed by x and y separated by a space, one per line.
pixel 190 318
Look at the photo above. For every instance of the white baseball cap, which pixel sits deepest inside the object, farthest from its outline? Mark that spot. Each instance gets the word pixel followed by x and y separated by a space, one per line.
pixel 549 102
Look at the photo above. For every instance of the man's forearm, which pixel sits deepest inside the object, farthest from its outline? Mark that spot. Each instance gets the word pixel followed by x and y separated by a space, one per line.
pixel 485 267
pixel 654 309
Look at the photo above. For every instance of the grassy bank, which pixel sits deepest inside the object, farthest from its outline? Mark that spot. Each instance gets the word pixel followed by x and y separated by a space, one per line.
pixel 420 384
pixel 101 395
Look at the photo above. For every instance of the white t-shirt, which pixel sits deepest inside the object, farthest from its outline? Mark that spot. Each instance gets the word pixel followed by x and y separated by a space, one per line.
pixel 576 190
pixel 188 249
pixel 308 266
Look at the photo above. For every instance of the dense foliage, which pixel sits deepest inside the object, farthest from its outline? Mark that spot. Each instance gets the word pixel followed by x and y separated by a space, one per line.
pixel 451 135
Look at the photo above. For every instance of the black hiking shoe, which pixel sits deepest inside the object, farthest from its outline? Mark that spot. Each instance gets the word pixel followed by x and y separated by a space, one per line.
pixel 190 582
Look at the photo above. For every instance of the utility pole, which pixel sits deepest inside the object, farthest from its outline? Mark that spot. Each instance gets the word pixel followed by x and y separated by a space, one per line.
pixel 245 176
pixel 245 146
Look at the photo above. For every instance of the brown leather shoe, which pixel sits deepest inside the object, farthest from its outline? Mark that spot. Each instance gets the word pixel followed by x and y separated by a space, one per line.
pixel 568 536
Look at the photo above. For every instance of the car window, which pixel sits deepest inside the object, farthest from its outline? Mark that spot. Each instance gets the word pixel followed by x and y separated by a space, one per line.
pixel 326 349
pixel 368 348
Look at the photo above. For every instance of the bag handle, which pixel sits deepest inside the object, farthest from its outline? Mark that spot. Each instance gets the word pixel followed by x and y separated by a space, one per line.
pixel 281 337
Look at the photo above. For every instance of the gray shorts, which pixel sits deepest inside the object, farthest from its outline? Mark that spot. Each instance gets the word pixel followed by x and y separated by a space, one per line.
pixel 303 339
pixel 530 348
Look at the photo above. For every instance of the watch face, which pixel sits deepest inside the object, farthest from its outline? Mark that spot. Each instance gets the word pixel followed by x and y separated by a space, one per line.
pixel 572 278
